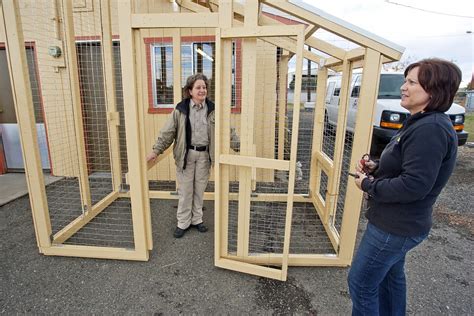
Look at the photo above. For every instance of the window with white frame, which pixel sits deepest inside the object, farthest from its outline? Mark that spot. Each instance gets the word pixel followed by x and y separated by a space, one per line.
pixel 196 57
pixel 162 75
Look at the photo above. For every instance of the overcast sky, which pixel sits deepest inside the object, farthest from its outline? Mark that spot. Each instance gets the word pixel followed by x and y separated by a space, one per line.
pixel 423 34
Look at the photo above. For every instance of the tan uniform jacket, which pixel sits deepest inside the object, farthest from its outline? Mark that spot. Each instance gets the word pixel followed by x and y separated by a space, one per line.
pixel 175 131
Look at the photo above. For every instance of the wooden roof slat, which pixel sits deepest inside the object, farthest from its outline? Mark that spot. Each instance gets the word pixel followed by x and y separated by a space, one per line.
pixel 285 42
pixel 326 47
pixel 339 27
pixel 310 31
pixel 170 20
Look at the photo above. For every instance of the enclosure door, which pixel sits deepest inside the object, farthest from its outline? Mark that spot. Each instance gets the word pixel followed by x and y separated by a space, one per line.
pixel 253 221
pixel 253 230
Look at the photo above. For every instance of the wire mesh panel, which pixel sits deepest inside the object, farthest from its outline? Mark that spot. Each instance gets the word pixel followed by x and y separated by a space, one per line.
pixel 56 108
pixel 261 121
pixel 353 105
pixel 308 235
pixel 333 108
pixel 331 111
pixel 273 121
pixel 308 232
pixel 255 223
pixel 306 124
pixel 68 122
pixel 117 69
pixel 111 228
pixel 266 219
pixel 267 227
pixel 343 179
pixel 164 50
pixel 97 125
pixel 323 187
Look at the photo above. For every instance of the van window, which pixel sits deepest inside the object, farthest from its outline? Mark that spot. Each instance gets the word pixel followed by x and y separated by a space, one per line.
pixel 390 84
pixel 329 91
pixel 355 92
pixel 357 80
pixel 337 91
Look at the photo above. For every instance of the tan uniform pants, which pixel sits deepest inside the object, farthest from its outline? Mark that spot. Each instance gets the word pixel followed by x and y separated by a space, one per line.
pixel 192 183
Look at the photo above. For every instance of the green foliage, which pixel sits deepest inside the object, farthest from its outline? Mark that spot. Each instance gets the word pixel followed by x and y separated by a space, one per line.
pixel 469 126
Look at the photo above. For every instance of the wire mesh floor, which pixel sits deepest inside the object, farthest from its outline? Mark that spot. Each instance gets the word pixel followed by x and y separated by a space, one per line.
pixel 111 228
pixel 267 226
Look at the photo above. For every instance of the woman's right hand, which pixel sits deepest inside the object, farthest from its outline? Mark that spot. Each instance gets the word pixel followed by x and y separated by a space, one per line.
pixel 151 157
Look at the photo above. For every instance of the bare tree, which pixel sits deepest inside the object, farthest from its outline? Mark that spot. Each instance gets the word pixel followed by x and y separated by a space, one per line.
pixel 470 85
pixel 400 65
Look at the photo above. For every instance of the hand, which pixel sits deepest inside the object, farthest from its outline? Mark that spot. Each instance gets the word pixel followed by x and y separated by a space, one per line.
pixel 151 157
pixel 360 176
pixel 366 166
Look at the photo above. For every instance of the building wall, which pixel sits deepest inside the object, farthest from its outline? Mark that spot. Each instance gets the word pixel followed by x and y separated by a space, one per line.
pixel 40 27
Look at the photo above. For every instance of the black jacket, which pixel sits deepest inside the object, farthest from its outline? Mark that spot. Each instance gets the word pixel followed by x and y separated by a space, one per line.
pixel 412 171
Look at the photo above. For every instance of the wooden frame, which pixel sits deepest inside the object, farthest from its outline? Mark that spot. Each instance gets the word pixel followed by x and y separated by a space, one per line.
pixel 113 120
pixel 232 20
pixel 138 182
pixel 392 51
pixel 171 20
pixel 77 110
pixel 247 160
pixel 23 103
pixel 343 61
pixel 361 145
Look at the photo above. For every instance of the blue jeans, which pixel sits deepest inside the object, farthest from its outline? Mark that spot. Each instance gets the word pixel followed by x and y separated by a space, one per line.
pixel 376 280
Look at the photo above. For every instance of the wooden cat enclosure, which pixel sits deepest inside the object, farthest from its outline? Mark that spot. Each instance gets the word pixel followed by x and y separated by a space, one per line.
pixel 108 74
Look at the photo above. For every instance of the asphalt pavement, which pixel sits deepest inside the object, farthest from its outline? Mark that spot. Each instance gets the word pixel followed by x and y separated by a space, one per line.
pixel 180 277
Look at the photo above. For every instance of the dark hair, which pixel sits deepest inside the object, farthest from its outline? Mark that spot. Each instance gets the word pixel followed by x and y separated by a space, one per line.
pixel 190 83
pixel 440 79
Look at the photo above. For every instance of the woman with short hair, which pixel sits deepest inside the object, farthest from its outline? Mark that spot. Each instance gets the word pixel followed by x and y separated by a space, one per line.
pixel 403 186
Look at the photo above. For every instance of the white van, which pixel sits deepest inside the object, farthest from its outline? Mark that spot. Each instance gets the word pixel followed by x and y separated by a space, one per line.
pixel 389 114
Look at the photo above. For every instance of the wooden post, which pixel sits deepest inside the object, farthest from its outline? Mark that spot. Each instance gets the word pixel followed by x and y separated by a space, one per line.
pixel 177 94
pixel 367 100
pixel 283 69
pixel 70 45
pixel 136 162
pixel 113 118
pixel 318 129
pixel 294 149
pixel 139 70
pixel 23 99
pixel 222 133
pixel 249 62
